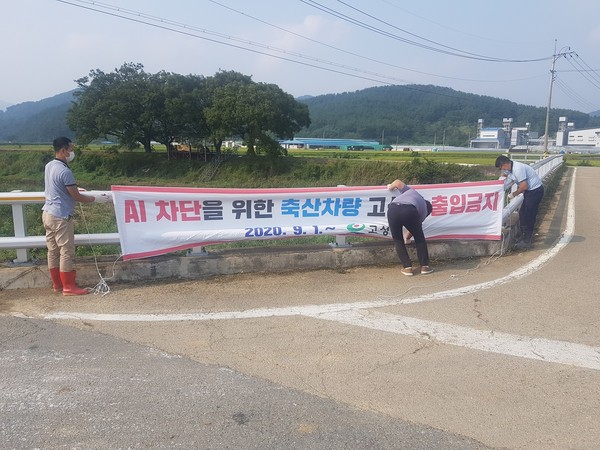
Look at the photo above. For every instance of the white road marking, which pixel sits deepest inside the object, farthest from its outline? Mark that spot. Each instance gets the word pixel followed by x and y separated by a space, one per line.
pixel 547 350
pixel 353 314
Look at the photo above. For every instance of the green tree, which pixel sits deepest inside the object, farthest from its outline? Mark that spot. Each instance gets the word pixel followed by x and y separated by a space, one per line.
pixel 179 111
pixel 257 112
pixel 218 129
pixel 114 104
pixel 137 107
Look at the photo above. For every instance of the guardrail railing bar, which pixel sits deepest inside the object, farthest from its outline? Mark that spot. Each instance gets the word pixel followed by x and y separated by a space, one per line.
pixel 21 242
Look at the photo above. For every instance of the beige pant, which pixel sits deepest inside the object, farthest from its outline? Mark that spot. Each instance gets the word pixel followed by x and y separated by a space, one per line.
pixel 60 240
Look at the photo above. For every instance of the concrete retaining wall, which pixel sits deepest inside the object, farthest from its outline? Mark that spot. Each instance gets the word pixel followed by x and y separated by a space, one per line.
pixel 234 261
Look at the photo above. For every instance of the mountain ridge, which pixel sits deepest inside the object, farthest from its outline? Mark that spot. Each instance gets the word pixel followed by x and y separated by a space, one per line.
pixel 411 114
pixel 4 105
pixel 420 114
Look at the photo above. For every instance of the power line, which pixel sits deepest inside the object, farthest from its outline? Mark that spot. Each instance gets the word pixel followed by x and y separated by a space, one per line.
pixel 366 58
pixel 442 48
pixel 594 72
pixel 584 70
pixel 266 50
pixel 162 24
pixel 442 25
pixel 120 11
pixel 191 31
pixel 574 96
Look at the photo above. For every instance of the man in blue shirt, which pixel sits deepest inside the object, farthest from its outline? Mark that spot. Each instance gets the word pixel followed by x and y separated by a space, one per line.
pixel 61 194
pixel 530 185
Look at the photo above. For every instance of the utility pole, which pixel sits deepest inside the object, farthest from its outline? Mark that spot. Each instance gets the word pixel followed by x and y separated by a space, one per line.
pixel 444 141
pixel 563 52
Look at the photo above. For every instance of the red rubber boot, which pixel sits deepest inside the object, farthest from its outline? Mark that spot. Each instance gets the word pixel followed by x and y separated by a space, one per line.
pixel 56 281
pixel 69 286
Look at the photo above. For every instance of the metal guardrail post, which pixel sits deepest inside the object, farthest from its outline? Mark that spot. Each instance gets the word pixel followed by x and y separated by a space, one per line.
pixel 20 227
pixel 197 251
pixel 340 242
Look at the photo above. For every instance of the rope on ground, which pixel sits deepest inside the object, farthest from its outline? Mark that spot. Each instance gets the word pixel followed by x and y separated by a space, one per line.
pixel 102 288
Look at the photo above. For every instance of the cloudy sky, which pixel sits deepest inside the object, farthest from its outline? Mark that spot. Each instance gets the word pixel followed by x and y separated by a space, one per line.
pixel 501 49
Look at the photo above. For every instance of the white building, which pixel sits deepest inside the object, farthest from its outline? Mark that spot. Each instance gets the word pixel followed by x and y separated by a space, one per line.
pixel 519 136
pixel 496 138
pixel 563 131
pixel 509 137
pixel 501 138
pixel 588 138
pixel 567 135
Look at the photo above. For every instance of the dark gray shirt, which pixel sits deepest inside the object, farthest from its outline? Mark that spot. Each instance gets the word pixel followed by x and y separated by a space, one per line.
pixel 57 176
pixel 408 196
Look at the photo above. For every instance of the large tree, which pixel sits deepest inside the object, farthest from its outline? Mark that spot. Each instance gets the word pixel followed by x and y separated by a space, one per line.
pixel 138 107
pixel 257 112
pixel 115 104
pixel 219 130
pixel 179 112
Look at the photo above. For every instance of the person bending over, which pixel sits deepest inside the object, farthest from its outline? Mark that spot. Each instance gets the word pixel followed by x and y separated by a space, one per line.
pixel 409 209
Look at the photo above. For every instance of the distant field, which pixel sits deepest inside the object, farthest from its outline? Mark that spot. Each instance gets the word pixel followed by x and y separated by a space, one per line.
pixel 479 158
pixel 582 160
pixel 470 157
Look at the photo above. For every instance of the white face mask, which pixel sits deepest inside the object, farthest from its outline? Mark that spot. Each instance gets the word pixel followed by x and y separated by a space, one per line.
pixel 505 172
pixel 71 156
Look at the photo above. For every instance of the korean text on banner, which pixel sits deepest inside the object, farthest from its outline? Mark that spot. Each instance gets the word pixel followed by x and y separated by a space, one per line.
pixel 157 220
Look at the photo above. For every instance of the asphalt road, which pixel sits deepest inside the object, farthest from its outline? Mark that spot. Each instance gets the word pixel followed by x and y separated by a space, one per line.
pixel 502 352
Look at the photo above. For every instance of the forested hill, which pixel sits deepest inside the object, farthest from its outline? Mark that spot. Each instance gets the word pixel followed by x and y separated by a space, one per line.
pixel 33 122
pixel 418 114
pixel 411 114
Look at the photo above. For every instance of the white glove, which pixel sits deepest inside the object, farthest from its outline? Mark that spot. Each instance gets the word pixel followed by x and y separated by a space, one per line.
pixel 102 198
pixel 511 196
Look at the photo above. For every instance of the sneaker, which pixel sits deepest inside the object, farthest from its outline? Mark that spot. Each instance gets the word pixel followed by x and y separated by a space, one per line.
pixel 522 245
pixel 407 271
pixel 425 270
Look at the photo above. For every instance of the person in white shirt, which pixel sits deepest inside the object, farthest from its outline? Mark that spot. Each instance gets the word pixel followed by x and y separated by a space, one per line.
pixel 530 185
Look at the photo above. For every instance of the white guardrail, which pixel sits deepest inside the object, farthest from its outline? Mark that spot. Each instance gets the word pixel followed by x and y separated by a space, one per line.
pixel 544 168
pixel 21 242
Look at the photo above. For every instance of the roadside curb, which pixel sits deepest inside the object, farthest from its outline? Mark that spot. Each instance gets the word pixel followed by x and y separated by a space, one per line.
pixel 236 261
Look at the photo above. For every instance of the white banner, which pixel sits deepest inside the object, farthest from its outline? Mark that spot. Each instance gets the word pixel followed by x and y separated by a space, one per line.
pixel 157 220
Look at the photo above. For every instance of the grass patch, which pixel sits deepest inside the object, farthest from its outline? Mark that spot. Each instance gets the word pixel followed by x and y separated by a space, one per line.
pixel 573 159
